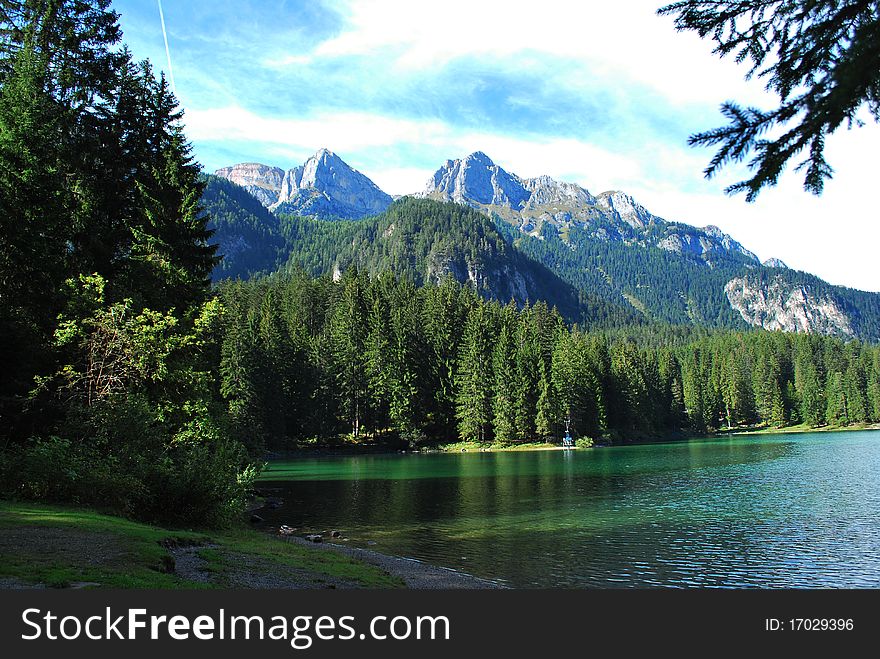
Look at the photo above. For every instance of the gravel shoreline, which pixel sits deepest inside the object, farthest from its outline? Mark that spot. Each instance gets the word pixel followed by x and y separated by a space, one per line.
pixel 415 573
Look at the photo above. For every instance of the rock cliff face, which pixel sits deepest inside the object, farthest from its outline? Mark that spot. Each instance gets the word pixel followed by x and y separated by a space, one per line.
pixel 776 304
pixel 323 186
pixel 529 203
pixel 477 180
pixel 262 181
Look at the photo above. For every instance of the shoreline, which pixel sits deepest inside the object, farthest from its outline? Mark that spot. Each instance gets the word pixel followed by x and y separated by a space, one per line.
pixel 416 574
pixel 66 547
pixel 472 447
pixel 797 430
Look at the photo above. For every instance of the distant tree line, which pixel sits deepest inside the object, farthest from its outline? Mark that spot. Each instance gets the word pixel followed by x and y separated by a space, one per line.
pixel 379 357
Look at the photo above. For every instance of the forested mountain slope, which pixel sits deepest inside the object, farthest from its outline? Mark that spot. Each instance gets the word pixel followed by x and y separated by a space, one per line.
pixel 427 241
pixel 601 258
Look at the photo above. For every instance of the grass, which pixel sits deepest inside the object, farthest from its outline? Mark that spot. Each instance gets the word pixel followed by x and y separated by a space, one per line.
pixel 800 428
pixel 458 447
pixel 60 546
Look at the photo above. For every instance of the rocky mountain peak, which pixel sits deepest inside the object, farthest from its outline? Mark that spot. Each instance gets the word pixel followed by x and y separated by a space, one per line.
pixel 531 203
pixel 476 181
pixel 324 185
pixel 480 158
pixel 775 263
pixel 624 207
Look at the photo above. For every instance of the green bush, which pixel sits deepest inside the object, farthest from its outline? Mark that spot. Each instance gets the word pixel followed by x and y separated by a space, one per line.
pixel 55 469
pixel 127 460
pixel 584 442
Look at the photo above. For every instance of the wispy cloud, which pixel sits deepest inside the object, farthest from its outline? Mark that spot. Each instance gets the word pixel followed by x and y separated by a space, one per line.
pixel 615 37
pixel 366 138
pixel 352 131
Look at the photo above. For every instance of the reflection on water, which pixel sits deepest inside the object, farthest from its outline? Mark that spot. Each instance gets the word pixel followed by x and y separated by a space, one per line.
pixel 768 511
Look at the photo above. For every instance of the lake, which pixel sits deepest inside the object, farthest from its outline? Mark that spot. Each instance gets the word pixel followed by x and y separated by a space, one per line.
pixel 782 510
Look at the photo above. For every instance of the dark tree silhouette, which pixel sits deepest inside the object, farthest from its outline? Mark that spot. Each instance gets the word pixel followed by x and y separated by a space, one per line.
pixel 822 57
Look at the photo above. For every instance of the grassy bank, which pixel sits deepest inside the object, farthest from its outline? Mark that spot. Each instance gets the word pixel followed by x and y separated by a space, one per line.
pixel 801 428
pixel 60 547
pixel 462 447
pixel 662 437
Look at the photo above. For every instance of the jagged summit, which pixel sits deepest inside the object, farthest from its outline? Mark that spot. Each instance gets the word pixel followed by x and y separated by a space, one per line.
pixel 530 203
pixel 476 179
pixel 605 245
pixel 324 185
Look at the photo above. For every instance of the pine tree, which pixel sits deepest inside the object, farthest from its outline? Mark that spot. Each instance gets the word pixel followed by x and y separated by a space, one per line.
pixel 767 385
pixel 736 387
pixel 474 376
pixel 170 259
pixel 504 393
pixel 837 411
pixel 348 337
pixel 811 394
pixel 672 389
pixel 528 358
pixel 445 310
pixel 546 411
pixel 821 57
pixel 407 350
pixel 378 356
pixel 855 386
pixel 579 366
pixel 874 386
pixel 632 395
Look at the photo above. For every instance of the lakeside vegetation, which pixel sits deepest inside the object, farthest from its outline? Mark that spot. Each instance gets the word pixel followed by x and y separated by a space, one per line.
pixel 63 546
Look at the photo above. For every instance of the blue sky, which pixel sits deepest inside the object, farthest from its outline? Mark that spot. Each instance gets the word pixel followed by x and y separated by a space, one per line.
pixel 601 94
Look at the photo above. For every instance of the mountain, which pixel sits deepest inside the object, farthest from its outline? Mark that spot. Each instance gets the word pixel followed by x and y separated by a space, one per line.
pixel 427 241
pixel 780 306
pixel 248 236
pixel 323 186
pixel 532 203
pixel 794 301
pixel 612 246
pixel 261 181
pixel 595 256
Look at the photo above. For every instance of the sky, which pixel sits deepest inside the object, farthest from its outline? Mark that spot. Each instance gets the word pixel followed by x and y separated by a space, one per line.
pixel 602 94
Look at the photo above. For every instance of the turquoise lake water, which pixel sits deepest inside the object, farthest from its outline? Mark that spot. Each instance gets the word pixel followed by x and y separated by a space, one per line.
pixel 786 510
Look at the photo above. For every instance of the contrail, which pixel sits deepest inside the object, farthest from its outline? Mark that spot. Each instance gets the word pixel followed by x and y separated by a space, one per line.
pixel 167 49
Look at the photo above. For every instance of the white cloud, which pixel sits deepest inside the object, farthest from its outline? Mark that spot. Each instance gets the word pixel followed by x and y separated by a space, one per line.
pixel 620 42
pixel 834 236
pixel 401 180
pixel 343 131
pixel 355 135
pixel 624 46
pixel 566 159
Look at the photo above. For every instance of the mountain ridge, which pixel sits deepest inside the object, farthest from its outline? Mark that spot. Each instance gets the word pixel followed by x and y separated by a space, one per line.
pixel 605 245
pixel 530 203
